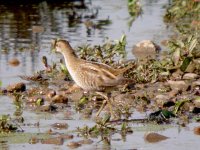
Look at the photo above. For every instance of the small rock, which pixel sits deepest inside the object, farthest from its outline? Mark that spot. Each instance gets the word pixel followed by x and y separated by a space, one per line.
pixel 86 141
pixel 59 99
pixel 56 141
pixel 173 93
pixel 14 62
pixel 60 126
pixel 73 144
pixel 190 76
pixel 145 48
pixel 197 102
pixel 161 99
pixel 51 94
pixel 197 130
pixel 48 108
pixel 50 131
pixel 66 136
pixel 33 140
pixel 196 83
pixel 178 85
pixel 18 87
pixel 154 137
pixel 177 74
pixel 37 29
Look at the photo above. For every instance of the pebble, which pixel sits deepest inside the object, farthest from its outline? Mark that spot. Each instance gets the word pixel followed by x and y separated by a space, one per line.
pixel 86 141
pixel 178 85
pixel 197 130
pixel 14 62
pixel 59 99
pixel 66 136
pixel 17 87
pixel 190 76
pixel 154 137
pixel 56 141
pixel 60 126
pixel 73 144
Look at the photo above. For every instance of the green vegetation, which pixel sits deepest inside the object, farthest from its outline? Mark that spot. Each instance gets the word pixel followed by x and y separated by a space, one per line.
pixel 107 53
pixel 134 10
pixel 6 124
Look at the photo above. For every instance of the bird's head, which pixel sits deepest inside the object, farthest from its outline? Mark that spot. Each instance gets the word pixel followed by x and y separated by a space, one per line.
pixel 60 45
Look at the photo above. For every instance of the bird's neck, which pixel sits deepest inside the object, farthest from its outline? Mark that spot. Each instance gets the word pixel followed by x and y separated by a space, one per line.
pixel 70 58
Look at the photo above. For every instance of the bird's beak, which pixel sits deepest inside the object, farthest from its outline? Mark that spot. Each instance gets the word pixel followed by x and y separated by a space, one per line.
pixel 53 45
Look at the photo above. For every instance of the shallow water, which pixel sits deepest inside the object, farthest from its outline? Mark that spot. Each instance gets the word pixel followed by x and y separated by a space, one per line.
pixel 17 34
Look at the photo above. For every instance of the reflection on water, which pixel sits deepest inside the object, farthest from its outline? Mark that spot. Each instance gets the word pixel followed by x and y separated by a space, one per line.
pixel 4 145
pixel 27 30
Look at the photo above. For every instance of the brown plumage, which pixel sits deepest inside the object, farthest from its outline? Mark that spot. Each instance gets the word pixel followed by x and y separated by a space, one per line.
pixel 90 76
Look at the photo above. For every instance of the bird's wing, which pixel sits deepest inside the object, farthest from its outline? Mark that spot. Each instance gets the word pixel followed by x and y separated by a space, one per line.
pixel 100 73
pixel 114 71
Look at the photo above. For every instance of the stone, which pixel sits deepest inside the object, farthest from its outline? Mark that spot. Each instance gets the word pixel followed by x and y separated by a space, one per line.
pixel 66 136
pixel 197 130
pixel 56 141
pixel 60 126
pixel 14 62
pixel 73 144
pixel 145 48
pixel 59 99
pixel 33 140
pixel 86 141
pixel 154 137
pixel 190 76
pixel 196 83
pixel 178 85
pixel 51 94
pixel 173 93
pixel 161 99
pixel 17 87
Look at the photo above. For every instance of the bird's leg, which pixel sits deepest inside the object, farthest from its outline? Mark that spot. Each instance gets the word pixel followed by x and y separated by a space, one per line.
pixel 101 108
pixel 107 100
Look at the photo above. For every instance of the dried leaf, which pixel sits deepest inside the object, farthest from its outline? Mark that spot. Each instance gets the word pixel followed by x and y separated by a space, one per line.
pixel 192 45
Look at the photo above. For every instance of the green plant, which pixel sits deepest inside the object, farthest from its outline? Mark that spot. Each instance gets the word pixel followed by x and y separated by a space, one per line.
pixel 134 10
pixel 107 53
pixel 6 124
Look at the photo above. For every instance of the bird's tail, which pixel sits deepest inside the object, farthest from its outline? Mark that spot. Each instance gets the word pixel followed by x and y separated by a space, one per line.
pixel 123 70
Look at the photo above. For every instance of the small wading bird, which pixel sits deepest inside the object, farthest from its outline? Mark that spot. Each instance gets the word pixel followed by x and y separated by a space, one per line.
pixel 91 76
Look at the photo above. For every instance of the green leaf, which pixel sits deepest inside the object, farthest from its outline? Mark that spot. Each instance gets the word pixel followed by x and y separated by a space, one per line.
pixel 0 83
pixel 185 63
pixel 178 105
pixel 124 126
pixel 39 101
pixel 83 100
pixel 63 68
pixel 167 114
pixel 106 119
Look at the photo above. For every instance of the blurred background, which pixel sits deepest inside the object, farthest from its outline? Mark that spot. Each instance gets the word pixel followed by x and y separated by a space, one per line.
pixel 27 28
